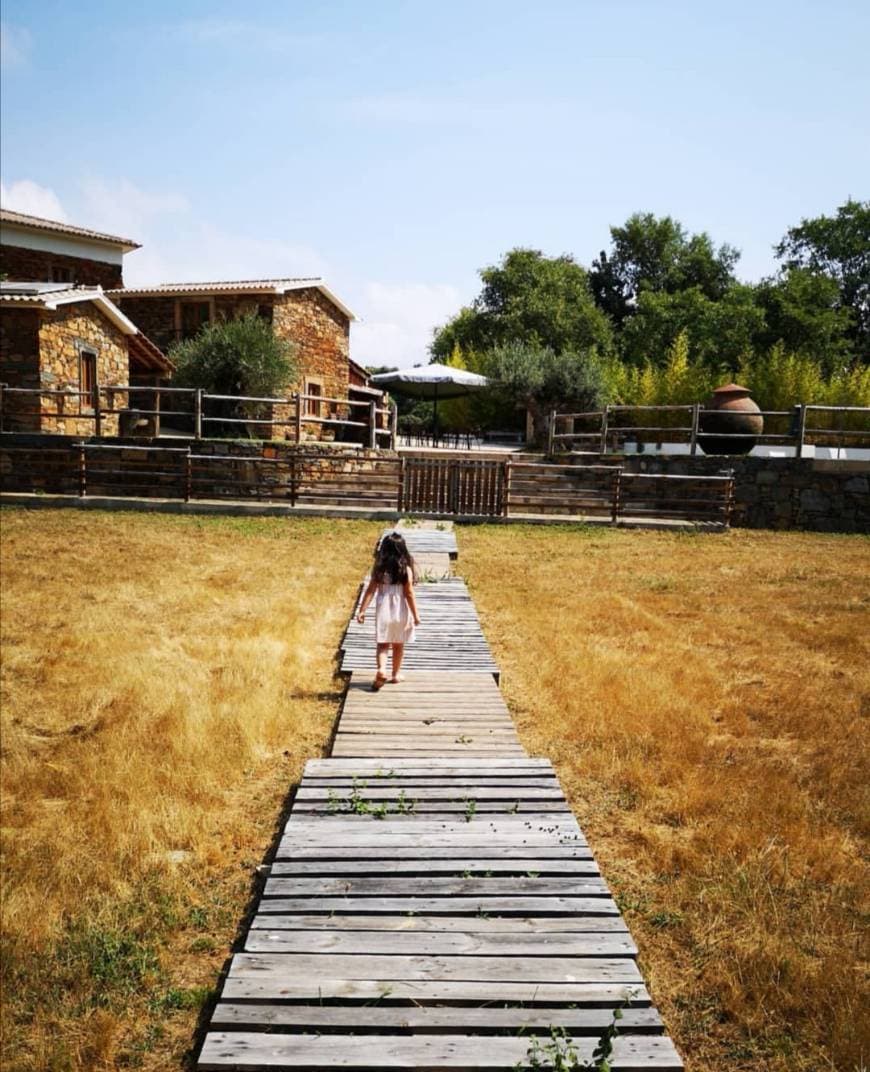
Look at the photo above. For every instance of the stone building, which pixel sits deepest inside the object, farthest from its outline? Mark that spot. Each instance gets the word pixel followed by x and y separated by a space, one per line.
pixel 72 340
pixel 36 250
pixel 303 311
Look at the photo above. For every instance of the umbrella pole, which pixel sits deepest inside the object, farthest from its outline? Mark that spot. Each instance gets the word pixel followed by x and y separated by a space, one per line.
pixel 435 420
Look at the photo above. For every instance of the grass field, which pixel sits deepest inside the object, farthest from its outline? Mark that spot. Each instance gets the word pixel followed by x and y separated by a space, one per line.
pixel 164 680
pixel 706 701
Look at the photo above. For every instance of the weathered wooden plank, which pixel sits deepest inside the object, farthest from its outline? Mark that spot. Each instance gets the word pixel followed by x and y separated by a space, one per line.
pixel 451 905
pixel 425 866
pixel 387 791
pixel 477 924
pixel 417 850
pixel 392 885
pixel 240 1049
pixel 432 1018
pixel 328 767
pixel 435 944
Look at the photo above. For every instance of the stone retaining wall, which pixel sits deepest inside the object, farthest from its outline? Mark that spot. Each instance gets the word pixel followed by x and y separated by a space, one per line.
pixel 777 493
pixel 772 493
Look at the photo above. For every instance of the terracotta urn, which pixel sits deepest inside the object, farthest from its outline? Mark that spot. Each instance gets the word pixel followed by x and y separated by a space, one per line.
pixel 735 424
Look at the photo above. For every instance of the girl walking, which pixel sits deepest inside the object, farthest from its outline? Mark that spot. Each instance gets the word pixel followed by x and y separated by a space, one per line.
pixel 392 588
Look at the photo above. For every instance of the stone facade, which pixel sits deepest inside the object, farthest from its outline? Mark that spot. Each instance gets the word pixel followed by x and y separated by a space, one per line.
pixel 43 266
pixel 317 328
pixel 44 349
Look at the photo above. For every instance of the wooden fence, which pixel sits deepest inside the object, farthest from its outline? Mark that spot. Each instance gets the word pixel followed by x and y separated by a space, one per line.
pixel 610 428
pixel 349 478
pixel 451 486
pixel 369 423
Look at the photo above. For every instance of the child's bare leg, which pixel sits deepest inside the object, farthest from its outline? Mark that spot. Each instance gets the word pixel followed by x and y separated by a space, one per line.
pixel 381 675
pixel 398 655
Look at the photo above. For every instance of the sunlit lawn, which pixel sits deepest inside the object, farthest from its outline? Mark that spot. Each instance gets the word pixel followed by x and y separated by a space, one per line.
pixel 705 700
pixel 164 680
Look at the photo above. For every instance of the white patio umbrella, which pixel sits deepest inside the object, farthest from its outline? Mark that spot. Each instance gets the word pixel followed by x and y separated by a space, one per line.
pixel 431 382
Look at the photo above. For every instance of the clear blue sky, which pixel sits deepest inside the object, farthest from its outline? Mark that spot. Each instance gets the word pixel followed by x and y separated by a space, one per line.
pixel 397 147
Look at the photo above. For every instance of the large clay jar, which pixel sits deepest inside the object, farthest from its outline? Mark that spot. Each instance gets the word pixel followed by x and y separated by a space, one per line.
pixel 733 428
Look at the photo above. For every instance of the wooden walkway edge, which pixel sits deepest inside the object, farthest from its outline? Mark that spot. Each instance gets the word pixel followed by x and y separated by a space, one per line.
pixel 432 903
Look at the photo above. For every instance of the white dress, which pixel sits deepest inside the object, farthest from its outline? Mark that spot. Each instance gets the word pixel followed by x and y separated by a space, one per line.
pixel 394 622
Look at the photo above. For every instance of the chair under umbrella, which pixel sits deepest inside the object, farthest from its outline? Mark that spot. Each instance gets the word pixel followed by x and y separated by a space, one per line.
pixel 431 383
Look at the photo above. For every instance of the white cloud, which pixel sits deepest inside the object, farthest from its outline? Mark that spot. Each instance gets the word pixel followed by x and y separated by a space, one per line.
pixel 196 251
pixel 31 198
pixel 123 208
pixel 14 46
pixel 398 319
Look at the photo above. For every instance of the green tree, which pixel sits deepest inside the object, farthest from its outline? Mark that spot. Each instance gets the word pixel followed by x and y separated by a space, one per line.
pixel 541 302
pixel 542 379
pixel 656 254
pixel 802 311
pixel 719 332
pixel 839 247
pixel 236 357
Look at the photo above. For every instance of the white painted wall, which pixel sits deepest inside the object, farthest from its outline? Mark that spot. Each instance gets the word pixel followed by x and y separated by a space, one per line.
pixel 69 245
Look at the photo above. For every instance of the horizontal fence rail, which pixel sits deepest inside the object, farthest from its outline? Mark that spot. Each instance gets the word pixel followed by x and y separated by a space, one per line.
pixel 351 478
pixel 371 423
pixel 608 429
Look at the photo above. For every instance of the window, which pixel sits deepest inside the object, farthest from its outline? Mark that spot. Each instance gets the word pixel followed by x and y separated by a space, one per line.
pixel 87 377
pixel 312 405
pixel 193 315
pixel 61 274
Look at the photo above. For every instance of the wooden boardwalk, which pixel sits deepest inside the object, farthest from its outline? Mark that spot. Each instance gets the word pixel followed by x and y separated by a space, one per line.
pixel 450 641
pixel 432 903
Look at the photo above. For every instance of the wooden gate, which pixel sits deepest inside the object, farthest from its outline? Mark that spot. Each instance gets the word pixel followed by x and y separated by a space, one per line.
pixel 452 486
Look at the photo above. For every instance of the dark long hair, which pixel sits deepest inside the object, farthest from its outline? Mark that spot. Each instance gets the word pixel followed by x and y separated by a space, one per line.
pixel 393 562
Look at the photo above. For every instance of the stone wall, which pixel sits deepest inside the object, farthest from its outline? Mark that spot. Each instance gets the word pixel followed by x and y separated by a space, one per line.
pixel 219 469
pixel 154 317
pixel 62 335
pixel 319 331
pixel 772 493
pixel 321 334
pixel 35 266
pixel 19 366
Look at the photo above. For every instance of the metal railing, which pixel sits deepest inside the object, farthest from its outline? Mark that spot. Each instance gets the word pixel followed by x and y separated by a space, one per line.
pixel 610 430
pixel 378 422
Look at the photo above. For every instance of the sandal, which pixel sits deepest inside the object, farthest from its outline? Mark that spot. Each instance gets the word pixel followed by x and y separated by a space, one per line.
pixel 379 682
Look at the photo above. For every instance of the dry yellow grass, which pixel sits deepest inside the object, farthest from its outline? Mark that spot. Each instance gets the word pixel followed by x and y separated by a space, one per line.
pixel 164 679
pixel 705 700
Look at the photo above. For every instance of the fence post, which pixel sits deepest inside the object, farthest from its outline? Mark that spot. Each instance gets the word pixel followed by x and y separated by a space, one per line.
pixel 696 418
pixel 373 425
pixel 394 425
pixel 197 414
pixel 83 471
pixel 551 434
pixel 617 492
pixel 508 465
pixel 188 476
pixel 729 497
pixel 400 491
pixel 297 398
pixel 801 430
pixel 2 401
pixel 95 402
pixel 605 420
